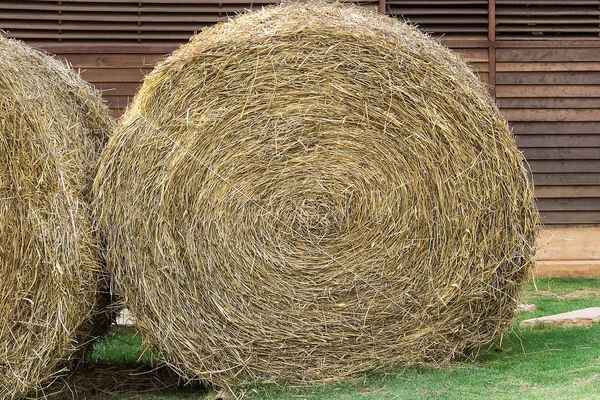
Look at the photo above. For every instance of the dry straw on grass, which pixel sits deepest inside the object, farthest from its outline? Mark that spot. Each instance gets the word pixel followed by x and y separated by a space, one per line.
pixel 314 190
pixel 101 381
pixel 52 127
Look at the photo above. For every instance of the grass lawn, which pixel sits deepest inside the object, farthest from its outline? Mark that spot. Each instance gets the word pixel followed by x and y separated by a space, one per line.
pixel 530 363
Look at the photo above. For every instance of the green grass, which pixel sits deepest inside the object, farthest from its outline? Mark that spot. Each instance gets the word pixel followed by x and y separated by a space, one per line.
pixel 530 363
pixel 121 346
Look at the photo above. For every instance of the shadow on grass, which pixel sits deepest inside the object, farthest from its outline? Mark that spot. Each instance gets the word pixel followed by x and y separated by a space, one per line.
pixel 105 380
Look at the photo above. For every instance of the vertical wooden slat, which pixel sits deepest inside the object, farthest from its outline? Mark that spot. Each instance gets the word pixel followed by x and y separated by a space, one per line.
pixel 382 6
pixel 59 21
pixel 492 20
pixel 492 72
pixel 492 46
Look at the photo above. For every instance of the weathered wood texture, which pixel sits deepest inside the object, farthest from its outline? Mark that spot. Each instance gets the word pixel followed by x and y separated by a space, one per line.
pixel 569 251
pixel 541 59
pixel 552 98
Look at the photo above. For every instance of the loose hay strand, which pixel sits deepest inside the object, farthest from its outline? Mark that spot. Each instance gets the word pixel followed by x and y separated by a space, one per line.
pixel 322 122
pixel 52 127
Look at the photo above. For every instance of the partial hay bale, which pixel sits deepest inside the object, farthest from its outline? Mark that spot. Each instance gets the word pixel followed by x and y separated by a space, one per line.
pixel 52 128
pixel 310 191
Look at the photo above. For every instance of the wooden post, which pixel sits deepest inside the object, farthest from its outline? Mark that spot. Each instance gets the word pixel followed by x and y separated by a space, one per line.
pixel 492 46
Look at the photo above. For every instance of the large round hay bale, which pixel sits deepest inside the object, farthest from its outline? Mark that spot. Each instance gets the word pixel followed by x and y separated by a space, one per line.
pixel 310 191
pixel 52 127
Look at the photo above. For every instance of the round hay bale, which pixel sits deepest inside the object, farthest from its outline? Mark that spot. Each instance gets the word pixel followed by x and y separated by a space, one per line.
pixel 310 191
pixel 52 128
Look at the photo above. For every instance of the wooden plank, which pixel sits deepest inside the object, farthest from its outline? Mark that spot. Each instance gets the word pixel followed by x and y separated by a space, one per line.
pixel 93 35
pixel 479 67
pixel 472 55
pixel 440 2
pixel 571 10
pixel 548 78
pixel 531 114
pixel 450 28
pixel 548 2
pixel 117 102
pixel 18 28
pixel 569 204
pixel 100 47
pixel 565 166
pixel 483 77
pixel 565 153
pixel 541 179
pixel 563 128
pixel 577 37
pixel 569 243
pixel 566 191
pixel 547 91
pixel 118 88
pixel 546 44
pixel 492 48
pixel 492 26
pixel 549 102
pixel 526 30
pixel 542 22
pixel 464 39
pixel 570 217
pixel 547 66
pixel 492 78
pixel 554 140
pixel 463 43
pixel 435 19
pixel 101 75
pixel 111 17
pixel 118 61
pixel 448 11
pixel 568 269
pixel 548 55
